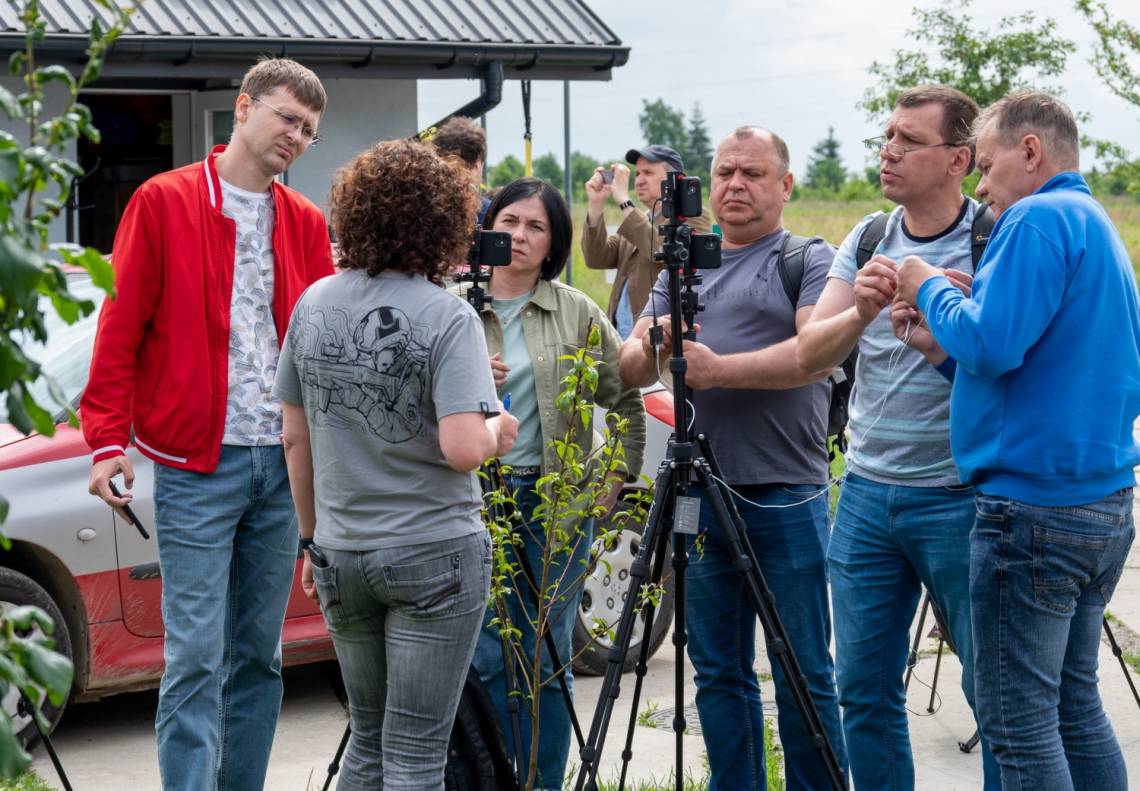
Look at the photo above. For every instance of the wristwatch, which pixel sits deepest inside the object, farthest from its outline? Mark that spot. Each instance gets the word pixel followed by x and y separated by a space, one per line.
pixel 625 204
pixel 306 543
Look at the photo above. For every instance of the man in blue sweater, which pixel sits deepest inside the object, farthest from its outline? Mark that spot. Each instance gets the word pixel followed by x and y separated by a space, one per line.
pixel 1045 396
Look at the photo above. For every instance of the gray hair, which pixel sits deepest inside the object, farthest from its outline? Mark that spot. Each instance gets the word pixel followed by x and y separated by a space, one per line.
pixel 1034 112
pixel 778 145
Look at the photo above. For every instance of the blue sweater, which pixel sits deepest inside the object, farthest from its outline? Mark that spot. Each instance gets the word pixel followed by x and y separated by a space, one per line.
pixel 1048 352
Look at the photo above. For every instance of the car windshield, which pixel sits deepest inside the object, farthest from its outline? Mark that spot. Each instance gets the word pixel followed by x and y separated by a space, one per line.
pixel 66 357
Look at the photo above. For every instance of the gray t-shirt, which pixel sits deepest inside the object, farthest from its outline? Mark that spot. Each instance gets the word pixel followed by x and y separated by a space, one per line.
pixel 900 407
pixel 758 436
pixel 376 362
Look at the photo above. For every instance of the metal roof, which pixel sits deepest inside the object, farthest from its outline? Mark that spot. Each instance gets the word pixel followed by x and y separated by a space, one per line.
pixel 544 35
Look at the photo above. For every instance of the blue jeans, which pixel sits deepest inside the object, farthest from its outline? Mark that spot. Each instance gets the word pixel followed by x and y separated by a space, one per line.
pixel 888 542
pixel 554 721
pixel 1040 578
pixel 404 621
pixel 790 544
pixel 227 547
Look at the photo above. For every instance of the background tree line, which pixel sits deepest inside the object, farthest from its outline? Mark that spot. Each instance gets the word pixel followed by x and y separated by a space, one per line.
pixel 1022 51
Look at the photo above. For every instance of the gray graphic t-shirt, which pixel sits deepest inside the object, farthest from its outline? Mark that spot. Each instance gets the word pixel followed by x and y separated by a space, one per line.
pixel 377 362
pixel 253 416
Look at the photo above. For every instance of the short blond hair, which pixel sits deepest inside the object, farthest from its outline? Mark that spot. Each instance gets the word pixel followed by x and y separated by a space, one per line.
pixel 269 74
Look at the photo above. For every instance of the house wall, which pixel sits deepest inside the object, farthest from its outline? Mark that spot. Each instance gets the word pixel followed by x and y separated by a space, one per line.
pixel 359 112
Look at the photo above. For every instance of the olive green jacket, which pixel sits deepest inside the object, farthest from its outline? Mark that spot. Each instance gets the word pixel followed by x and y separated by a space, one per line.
pixel 555 323
pixel 630 250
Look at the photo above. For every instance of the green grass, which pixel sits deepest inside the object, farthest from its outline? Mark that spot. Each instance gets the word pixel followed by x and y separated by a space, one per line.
pixel 29 781
pixel 645 716
pixel 833 220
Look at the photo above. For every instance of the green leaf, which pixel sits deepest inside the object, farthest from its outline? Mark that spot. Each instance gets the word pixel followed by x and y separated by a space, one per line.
pixel 97 265
pixel 19 271
pixel 49 669
pixel 26 617
pixel 56 73
pixel 42 420
pixel 13 760
pixel 16 414
pixel 16 62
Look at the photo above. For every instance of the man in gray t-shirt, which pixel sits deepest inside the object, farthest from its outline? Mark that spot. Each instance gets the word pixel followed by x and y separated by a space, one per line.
pixel 767 420
pixel 377 361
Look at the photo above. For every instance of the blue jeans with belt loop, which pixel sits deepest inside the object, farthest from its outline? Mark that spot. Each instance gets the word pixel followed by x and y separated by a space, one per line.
pixel 1040 578
pixel 790 543
pixel 227 547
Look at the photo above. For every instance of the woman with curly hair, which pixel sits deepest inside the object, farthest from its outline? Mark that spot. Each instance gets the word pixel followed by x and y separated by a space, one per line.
pixel 388 408
pixel 533 321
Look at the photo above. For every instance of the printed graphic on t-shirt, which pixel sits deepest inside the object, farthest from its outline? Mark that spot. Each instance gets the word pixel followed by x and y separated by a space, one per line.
pixel 376 377
pixel 253 416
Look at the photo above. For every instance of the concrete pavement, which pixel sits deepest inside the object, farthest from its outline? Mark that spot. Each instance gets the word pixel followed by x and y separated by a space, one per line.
pixel 110 745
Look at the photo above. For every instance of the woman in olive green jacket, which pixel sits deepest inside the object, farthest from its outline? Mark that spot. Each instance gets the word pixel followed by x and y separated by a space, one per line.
pixel 531 323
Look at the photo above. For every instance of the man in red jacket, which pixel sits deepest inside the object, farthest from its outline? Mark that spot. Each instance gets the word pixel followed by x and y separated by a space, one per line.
pixel 209 260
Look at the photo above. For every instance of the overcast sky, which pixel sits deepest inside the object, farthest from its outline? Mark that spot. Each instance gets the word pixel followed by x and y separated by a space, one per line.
pixel 795 67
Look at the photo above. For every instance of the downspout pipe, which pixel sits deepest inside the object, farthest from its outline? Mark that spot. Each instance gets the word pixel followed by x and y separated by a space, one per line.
pixel 491 97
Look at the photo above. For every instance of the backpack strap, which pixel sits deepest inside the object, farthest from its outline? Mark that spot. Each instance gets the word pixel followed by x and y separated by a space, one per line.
pixel 980 233
pixel 870 238
pixel 790 264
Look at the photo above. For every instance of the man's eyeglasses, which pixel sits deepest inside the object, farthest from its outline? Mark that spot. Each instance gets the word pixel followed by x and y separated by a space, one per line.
pixel 878 145
pixel 308 134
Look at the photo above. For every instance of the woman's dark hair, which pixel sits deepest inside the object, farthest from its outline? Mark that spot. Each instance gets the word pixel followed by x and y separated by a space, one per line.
pixel 561 226
pixel 400 207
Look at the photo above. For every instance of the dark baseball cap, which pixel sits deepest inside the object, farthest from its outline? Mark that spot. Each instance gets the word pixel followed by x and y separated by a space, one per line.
pixel 655 153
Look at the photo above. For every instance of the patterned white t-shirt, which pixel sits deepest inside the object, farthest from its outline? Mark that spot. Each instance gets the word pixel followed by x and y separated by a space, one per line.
pixel 253 415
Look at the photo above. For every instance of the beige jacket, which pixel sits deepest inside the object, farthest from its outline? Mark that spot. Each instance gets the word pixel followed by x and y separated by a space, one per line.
pixel 554 324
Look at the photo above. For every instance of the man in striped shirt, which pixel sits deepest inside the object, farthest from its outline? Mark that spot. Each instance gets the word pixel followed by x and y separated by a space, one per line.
pixel 904 518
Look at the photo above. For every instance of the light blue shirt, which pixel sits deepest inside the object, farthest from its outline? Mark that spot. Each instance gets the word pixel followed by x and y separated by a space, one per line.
pixel 624 313
pixel 527 451
pixel 900 407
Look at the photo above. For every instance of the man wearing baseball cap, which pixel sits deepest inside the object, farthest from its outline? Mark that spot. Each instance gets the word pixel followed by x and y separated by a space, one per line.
pixel 630 249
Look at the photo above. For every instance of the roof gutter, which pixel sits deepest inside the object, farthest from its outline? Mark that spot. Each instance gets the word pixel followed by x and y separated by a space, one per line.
pixel 183 50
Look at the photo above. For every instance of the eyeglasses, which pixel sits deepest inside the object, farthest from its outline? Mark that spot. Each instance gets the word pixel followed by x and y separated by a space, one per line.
pixel 879 144
pixel 308 133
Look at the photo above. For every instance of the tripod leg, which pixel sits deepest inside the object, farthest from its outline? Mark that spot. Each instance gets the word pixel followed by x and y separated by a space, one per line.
pixel 611 680
pixel 334 767
pixel 763 602
pixel 912 657
pixel 970 743
pixel 660 552
pixel 25 707
pixel 934 683
pixel 1120 658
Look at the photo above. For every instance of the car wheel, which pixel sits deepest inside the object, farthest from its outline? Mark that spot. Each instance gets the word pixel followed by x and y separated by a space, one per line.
pixel 18 590
pixel 605 591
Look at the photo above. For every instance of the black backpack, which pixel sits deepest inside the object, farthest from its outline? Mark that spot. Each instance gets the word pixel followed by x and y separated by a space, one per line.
pixel 476 754
pixel 791 268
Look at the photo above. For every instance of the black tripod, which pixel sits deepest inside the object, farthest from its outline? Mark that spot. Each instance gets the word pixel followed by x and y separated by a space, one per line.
pixel 673 511
pixel 27 709
pixel 944 638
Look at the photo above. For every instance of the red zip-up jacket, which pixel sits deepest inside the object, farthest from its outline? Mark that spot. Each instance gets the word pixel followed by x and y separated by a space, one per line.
pixel 161 358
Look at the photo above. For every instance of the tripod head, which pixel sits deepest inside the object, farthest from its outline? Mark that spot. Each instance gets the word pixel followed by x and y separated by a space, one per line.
pixel 684 254
pixel 488 249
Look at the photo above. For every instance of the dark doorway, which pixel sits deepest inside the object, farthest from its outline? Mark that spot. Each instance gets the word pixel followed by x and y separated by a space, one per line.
pixel 137 143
